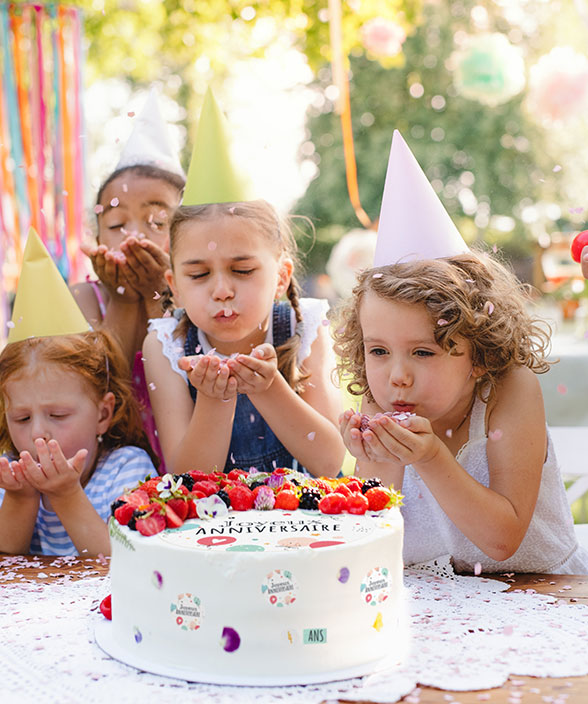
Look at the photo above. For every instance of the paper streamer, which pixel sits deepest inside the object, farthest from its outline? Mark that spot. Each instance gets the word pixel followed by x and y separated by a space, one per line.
pixel 41 138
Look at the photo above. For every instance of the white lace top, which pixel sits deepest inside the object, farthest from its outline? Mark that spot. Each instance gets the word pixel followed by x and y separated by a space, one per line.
pixel 549 545
pixel 314 313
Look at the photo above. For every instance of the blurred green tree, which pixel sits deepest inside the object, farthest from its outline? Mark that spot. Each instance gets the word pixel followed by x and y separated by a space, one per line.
pixel 486 164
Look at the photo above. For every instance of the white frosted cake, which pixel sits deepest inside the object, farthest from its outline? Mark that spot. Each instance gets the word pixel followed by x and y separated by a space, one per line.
pixel 259 597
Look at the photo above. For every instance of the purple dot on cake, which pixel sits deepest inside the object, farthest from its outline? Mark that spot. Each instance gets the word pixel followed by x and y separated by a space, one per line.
pixel 138 635
pixel 343 575
pixel 230 639
pixel 157 579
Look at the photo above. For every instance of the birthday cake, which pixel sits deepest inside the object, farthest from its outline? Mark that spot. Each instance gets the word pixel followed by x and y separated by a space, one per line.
pixel 262 594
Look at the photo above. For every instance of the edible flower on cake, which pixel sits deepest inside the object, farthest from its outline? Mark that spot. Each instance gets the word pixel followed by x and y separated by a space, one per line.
pixel 166 502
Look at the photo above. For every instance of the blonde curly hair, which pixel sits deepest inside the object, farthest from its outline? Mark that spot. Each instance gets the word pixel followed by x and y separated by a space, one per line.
pixel 477 299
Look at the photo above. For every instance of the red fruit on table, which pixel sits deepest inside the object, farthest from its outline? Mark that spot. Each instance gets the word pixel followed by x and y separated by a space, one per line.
pixel 580 241
pixel 106 607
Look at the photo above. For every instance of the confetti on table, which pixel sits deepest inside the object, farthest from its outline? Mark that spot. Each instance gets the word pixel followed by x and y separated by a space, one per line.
pixel 562 389
pixel 477 569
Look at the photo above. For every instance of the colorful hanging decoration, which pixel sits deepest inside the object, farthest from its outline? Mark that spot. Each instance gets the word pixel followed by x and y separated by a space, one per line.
pixel 489 69
pixel 382 37
pixel 558 85
pixel 41 138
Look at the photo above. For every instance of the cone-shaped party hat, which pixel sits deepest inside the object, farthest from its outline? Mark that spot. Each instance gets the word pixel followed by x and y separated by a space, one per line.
pixel 150 141
pixel 413 222
pixel 212 176
pixel 44 305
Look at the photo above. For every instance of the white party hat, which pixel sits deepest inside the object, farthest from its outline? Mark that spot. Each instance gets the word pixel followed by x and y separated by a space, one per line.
pixel 413 222
pixel 150 141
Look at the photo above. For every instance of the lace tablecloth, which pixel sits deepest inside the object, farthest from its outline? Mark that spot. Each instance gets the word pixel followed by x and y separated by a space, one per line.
pixel 466 634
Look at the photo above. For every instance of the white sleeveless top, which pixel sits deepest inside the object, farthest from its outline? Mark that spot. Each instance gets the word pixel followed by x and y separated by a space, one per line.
pixel 314 314
pixel 549 545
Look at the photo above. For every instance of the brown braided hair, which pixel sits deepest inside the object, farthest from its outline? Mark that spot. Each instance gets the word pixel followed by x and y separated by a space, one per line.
pixel 279 233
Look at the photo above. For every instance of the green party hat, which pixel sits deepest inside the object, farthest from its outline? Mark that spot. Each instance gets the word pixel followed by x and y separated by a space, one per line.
pixel 212 176
pixel 43 306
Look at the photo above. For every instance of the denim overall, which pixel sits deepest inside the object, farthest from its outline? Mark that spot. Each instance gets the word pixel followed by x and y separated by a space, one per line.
pixel 253 444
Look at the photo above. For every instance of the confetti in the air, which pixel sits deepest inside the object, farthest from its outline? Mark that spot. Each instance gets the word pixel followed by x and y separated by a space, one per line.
pixel 114 202
pixel 152 386
pixel 131 114
pixel 157 296
pixel 125 188
pixel 212 246
pixel 495 435
pixel 442 321
pixel 98 209
pixel 556 168
pixel 311 436
pixel 120 290
pixel 562 389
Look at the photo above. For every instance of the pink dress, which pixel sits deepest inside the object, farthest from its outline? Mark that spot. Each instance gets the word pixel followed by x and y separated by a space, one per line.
pixel 140 390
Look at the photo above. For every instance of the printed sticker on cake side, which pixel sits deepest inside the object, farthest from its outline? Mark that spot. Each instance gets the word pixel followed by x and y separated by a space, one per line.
pixel 280 588
pixel 375 587
pixel 187 612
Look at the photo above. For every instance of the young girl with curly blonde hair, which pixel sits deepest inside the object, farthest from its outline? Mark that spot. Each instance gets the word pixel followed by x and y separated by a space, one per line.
pixel 449 344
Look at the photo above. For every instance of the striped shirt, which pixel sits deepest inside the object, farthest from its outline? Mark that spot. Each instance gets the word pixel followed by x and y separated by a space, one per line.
pixel 121 469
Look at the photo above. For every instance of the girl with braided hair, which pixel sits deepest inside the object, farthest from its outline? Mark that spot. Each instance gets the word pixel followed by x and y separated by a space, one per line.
pixel 240 379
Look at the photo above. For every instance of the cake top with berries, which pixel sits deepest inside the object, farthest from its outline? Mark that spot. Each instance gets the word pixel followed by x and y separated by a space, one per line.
pixel 165 502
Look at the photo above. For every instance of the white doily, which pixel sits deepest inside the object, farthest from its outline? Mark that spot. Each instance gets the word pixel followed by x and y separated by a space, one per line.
pixel 466 632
